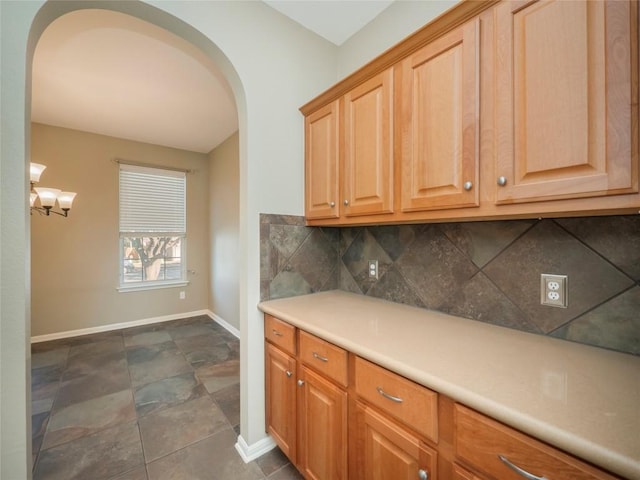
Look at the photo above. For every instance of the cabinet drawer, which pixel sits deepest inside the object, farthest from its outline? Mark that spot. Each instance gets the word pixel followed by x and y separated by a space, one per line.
pixel 280 333
pixel 324 357
pixel 403 399
pixel 480 440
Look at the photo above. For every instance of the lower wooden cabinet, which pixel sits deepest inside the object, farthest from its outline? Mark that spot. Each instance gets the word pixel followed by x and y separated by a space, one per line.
pixel 384 450
pixel 322 428
pixel 306 412
pixel 280 380
pixel 337 416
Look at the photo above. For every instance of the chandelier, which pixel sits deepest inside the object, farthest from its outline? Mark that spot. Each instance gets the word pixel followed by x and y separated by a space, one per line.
pixel 47 196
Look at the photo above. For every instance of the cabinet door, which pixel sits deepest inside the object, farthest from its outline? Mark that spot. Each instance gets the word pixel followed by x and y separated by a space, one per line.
pixel 386 451
pixel 323 428
pixel 321 162
pixel 368 153
pixel 564 99
pixel 439 122
pixel 280 379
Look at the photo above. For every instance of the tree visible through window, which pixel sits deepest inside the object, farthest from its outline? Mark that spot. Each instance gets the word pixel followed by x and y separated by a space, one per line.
pixel 152 226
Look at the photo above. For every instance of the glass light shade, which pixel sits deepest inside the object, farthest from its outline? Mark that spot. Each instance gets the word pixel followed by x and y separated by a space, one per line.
pixel 35 170
pixel 47 196
pixel 65 199
pixel 32 199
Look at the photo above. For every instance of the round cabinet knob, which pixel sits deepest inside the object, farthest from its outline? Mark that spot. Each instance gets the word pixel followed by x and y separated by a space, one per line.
pixel 346 202
pixel 300 383
pixel 332 204
pixel 289 373
pixel 502 181
pixel 468 186
pixel 423 475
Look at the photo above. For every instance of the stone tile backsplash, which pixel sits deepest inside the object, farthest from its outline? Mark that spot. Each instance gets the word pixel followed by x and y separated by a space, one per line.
pixel 486 271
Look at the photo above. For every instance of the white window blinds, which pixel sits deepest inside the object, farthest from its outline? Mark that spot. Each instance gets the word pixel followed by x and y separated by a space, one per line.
pixel 152 200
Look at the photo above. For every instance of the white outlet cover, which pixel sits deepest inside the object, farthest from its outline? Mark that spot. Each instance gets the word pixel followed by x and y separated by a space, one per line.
pixel 554 290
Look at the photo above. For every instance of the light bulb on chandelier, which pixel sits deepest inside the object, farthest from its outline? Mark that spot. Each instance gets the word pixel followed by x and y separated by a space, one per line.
pixel 47 196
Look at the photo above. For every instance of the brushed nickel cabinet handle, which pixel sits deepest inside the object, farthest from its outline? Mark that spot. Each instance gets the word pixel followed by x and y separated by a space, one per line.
pixel 346 202
pixel 520 471
pixel 502 181
pixel 300 383
pixel 276 333
pixel 320 357
pixel 332 204
pixel 468 186
pixel 389 397
pixel 423 475
pixel 289 373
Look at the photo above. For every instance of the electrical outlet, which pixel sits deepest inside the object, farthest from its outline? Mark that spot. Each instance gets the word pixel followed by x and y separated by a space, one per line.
pixel 182 295
pixel 553 290
pixel 373 269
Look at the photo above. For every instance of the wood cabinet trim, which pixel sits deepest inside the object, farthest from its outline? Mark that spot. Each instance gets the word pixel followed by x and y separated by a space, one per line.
pixel 447 21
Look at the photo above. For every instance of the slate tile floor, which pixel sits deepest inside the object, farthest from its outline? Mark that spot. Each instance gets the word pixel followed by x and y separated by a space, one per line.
pixel 145 403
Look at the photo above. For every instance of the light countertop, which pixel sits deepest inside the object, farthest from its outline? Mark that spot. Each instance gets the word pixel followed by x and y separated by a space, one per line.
pixel 581 399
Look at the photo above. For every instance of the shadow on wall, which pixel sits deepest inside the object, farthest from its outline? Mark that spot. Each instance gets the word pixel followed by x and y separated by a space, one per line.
pixel 486 271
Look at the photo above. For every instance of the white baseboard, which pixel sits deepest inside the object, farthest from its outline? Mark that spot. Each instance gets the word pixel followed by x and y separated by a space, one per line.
pixel 248 453
pixel 118 326
pixel 224 324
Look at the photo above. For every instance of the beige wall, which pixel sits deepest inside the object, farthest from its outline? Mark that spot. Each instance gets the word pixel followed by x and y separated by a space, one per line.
pixel 224 231
pixel 74 260
pixel 397 21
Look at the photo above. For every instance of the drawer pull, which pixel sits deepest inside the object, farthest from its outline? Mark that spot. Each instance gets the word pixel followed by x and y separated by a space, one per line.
pixel 390 397
pixel 520 471
pixel 423 475
pixel 289 373
pixel 276 333
pixel 320 357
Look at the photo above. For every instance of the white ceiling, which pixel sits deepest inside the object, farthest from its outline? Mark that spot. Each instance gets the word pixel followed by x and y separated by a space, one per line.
pixel 335 20
pixel 105 72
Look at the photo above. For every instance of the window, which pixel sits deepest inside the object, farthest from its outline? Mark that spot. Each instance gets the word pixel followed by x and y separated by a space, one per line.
pixel 152 227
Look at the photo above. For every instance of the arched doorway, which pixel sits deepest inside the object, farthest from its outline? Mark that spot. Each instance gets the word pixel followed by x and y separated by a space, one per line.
pixel 273 66
pixel 53 10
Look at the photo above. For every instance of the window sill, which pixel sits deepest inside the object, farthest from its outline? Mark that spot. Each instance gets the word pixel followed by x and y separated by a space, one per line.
pixel 151 286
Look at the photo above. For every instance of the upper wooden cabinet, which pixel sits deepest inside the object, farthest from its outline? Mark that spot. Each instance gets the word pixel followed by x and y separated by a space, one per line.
pixel 439 122
pixel 349 153
pixel 494 110
pixel 321 162
pixel 368 147
pixel 564 100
